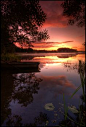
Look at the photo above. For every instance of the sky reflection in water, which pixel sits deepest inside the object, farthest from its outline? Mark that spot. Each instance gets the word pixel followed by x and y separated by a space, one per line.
pixel 24 95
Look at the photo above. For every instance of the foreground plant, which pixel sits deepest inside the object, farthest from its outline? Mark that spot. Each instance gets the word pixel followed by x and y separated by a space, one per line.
pixel 81 71
pixel 79 112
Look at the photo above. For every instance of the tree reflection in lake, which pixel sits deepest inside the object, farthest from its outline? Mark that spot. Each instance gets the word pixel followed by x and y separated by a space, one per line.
pixel 23 95
pixel 16 120
pixel 6 94
pixel 26 84
pixel 19 87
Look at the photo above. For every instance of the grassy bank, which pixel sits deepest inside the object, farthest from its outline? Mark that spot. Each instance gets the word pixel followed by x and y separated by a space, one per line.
pixel 10 57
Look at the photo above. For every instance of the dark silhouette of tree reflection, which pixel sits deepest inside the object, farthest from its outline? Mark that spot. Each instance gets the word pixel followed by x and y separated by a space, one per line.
pixel 16 120
pixel 40 120
pixel 26 84
pixel 19 87
pixel 6 93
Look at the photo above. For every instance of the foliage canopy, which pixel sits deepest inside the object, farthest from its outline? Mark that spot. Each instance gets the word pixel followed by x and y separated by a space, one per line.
pixel 75 11
pixel 21 21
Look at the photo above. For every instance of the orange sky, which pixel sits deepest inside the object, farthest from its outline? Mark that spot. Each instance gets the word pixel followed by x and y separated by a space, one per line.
pixel 61 34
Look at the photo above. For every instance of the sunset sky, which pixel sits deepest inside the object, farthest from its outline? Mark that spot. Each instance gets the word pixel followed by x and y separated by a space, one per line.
pixel 61 34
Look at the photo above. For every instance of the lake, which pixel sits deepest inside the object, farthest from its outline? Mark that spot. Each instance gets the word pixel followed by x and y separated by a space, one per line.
pixel 24 95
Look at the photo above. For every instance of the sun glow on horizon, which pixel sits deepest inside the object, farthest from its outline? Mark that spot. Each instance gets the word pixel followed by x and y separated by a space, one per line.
pixel 51 46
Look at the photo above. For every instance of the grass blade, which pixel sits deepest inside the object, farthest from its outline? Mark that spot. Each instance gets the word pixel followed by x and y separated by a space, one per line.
pixel 65 108
pixel 75 91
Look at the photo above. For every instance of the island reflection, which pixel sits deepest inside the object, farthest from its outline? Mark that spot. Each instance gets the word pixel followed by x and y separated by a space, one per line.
pixel 24 94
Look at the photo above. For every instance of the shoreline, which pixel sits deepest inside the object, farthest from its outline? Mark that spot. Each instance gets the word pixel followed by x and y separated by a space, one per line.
pixel 48 54
pixel 20 53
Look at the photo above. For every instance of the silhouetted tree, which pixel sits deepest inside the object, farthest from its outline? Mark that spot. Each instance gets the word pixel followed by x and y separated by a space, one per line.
pixel 75 11
pixel 20 21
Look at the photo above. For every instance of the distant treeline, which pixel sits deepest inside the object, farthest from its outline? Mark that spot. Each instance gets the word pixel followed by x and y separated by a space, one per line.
pixel 45 51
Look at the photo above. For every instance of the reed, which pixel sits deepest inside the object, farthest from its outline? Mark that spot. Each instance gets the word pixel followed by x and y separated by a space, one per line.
pixel 81 111
pixel 81 70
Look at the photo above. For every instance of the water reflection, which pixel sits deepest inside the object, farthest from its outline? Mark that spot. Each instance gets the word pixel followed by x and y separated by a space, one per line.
pixel 56 85
pixel 51 58
pixel 25 92
pixel 19 87
pixel 16 120
pixel 40 120
pixel 6 94
pixel 75 66
pixel 67 55
pixel 26 84
pixel 71 66
pixel 27 57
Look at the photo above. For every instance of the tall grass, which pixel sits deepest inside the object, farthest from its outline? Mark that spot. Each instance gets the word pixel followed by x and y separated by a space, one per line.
pixel 81 70
pixel 81 111
pixel 65 108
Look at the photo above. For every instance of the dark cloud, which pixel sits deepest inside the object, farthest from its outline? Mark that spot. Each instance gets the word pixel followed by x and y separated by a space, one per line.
pixel 67 41
pixel 49 44
pixel 81 36
pixel 44 46
pixel 54 14
pixel 52 42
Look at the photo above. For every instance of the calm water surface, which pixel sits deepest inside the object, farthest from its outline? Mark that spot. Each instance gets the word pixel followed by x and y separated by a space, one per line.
pixel 24 95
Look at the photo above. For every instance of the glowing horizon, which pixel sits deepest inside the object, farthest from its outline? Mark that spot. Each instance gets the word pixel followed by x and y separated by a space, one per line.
pixel 61 34
pixel 47 47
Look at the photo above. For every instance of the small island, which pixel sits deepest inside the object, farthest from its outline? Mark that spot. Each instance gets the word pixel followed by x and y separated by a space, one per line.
pixel 66 50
